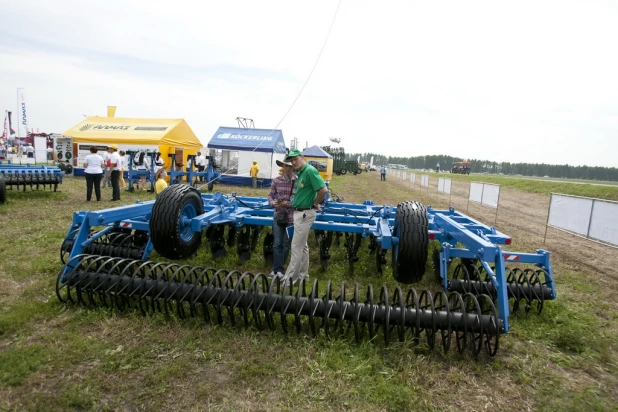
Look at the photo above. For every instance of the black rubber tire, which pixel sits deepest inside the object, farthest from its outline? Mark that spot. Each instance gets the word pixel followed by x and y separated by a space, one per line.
pixel 343 171
pixel 410 255
pixel 68 169
pixel 169 237
pixel 62 166
pixel 2 190
pixel 358 171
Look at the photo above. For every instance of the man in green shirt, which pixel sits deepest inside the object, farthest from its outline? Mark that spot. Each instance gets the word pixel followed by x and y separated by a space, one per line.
pixel 310 192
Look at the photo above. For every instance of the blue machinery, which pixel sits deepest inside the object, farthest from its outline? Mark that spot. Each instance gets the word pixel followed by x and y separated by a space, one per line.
pixel 33 176
pixel 192 175
pixel 105 254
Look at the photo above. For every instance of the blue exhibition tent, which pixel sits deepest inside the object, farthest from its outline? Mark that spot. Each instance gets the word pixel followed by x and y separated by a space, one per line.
pixel 316 151
pixel 238 148
pixel 256 140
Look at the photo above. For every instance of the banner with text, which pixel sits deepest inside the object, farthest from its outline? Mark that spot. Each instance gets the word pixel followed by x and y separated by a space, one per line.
pixel 23 115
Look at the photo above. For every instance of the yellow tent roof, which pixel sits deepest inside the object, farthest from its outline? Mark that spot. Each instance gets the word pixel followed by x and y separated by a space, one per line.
pixel 170 132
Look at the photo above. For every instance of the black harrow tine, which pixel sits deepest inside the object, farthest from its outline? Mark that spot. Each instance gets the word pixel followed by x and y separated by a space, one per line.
pixel 120 283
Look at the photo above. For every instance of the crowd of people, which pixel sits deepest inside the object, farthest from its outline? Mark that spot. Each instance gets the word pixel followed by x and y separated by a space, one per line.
pixel 106 170
pixel 25 150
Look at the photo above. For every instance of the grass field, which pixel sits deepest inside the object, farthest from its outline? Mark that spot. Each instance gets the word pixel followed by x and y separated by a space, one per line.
pixel 57 357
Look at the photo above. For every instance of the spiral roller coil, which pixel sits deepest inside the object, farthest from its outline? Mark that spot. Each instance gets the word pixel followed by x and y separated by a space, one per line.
pixel 523 285
pixel 220 294
pixel 115 244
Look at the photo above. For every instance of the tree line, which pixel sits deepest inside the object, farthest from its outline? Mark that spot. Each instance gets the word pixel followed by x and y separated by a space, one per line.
pixel 487 166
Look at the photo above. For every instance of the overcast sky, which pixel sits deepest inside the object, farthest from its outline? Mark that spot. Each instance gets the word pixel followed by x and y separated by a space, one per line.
pixel 525 81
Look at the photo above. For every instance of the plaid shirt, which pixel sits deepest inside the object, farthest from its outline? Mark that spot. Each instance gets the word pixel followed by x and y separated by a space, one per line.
pixel 281 189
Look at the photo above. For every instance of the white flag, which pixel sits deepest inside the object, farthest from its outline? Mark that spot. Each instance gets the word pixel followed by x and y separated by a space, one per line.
pixel 23 120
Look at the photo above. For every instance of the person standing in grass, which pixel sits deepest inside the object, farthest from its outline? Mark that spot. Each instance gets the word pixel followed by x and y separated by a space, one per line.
pixel 115 164
pixel 310 192
pixel 280 197
pixel 160 183
pixel 158 162
pixel 123 161
pixel 143 165
pixel 93 164
pixel 200 164
pixel 107 172
pixel 383 173
pixel 253 172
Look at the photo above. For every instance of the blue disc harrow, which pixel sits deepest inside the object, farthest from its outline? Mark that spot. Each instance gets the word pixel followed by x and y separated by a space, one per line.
pixel 106 256
pixel 33 177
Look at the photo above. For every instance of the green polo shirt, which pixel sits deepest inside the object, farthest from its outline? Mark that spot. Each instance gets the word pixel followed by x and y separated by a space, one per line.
pixel 308 183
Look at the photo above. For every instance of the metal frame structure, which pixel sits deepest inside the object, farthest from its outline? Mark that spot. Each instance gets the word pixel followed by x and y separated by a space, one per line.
pixel 31 176
pixel 387 228
pixel 209 174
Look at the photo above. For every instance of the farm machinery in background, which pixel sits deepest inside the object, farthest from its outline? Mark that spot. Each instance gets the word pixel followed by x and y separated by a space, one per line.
pixel 341 166
pixel 461 168
pixel 34 177
pixel 106 254
pixel 192 175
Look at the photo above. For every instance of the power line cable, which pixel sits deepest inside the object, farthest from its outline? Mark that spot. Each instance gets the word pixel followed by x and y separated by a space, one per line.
pixel 317 60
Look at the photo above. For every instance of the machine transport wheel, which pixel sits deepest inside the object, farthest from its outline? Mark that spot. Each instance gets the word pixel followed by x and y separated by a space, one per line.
pixel 170 224
pixel 410 254
pixel 68 169
pixel 2 190
pixel 62 167
pixel 343 171
pixel 358 171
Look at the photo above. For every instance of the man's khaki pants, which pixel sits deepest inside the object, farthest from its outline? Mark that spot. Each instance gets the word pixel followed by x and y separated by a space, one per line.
pixel 299 262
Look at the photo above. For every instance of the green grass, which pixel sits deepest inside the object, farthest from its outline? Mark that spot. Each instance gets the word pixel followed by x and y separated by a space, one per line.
pixel 586 188
pixel 61 357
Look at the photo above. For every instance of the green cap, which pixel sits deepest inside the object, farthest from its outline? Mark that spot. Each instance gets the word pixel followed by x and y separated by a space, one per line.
pixel 293 153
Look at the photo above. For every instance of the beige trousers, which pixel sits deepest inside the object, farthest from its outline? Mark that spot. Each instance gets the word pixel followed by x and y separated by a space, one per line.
pixel 299 262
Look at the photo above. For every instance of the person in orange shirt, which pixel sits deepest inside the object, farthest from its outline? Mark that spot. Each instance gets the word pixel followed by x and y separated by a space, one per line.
pixel 253 172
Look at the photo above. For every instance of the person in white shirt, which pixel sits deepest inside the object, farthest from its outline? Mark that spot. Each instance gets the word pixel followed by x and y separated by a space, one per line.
pixel 158 162
pixel 115 164
pixel 123 166
pixel 106 169
pixel 94 173
pixel 142 163
pixel 200 164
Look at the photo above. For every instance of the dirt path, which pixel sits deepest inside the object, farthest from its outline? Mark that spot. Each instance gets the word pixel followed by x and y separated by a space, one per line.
pixel 523 216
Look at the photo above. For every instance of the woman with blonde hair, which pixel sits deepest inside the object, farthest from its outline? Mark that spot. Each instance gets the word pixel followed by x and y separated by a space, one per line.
pixel 160 183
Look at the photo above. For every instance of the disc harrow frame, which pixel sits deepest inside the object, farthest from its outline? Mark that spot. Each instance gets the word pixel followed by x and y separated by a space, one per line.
pixel 175 222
